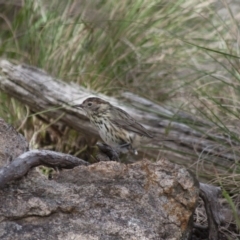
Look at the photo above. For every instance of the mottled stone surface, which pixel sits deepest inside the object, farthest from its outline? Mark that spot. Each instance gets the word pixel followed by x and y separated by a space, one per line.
pixel 12 143
pixel 106 200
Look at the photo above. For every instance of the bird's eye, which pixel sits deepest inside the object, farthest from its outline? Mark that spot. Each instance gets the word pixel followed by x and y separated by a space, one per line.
pixel 89 104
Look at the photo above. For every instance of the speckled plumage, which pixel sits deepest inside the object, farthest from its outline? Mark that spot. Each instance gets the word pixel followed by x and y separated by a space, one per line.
pixel 116 127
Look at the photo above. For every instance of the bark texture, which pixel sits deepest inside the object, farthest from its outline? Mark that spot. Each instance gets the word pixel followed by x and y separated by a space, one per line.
pixel 22 164
pixel 210 196
pixel 194 144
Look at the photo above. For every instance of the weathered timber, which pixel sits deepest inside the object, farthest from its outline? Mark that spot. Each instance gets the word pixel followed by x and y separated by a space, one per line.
pixel 23 163
pixel 191 138
pixel 210 195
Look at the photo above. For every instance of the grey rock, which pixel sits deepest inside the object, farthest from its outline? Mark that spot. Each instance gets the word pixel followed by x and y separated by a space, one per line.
pixel 104 201
pixel 12 143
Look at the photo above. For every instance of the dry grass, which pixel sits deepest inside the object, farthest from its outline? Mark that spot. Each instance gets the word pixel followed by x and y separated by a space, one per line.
pixel 184 52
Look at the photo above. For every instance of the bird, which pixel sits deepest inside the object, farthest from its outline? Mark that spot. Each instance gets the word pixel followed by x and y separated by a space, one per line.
pixel 115 126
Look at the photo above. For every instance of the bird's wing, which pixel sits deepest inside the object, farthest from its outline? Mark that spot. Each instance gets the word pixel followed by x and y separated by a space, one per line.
pixel 125 121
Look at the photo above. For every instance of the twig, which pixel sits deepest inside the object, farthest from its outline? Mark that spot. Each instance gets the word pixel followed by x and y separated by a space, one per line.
pixel 21 165
pixel 209 195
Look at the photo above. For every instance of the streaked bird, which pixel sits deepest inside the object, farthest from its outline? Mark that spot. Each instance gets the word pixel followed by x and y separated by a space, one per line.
pixel 115 126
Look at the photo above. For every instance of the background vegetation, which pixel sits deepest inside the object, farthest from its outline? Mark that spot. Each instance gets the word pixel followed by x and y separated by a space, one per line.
pixel 184 53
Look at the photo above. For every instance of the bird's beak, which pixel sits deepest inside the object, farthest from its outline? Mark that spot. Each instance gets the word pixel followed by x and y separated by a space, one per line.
pixel 78 106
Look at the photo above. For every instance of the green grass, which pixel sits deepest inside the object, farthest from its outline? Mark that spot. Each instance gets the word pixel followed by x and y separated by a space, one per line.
pixel 181 52
pixel 137 45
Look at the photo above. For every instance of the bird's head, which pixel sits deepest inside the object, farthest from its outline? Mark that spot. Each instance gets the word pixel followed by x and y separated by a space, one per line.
pixel 94 105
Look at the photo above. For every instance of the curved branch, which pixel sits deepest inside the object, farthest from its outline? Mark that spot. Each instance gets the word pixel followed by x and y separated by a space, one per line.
pixel 21 165
pixel 209 195
pixel 192 137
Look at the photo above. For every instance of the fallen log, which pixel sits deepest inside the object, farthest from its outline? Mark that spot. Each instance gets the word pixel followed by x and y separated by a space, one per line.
pixel 192 144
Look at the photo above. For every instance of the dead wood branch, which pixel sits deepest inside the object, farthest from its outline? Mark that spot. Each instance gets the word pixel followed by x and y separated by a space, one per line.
pixel 192 138
pixel 210 195
pixel 22 164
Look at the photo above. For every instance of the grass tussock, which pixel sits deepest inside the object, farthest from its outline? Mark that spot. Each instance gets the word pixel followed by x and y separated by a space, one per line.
pixel 181 52
pixel 110 46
